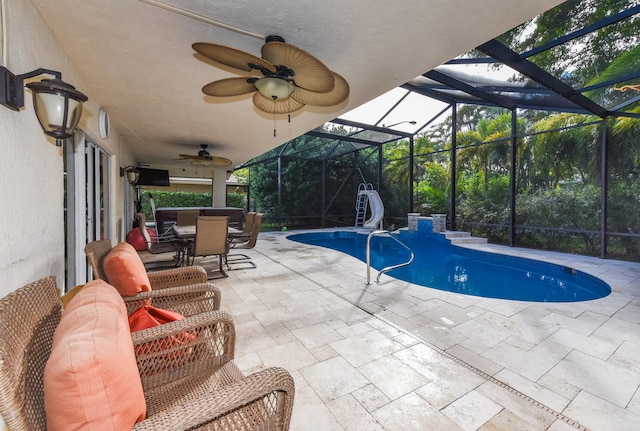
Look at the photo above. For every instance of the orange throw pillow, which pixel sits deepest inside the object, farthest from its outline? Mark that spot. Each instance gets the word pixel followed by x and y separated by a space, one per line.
pixel 149 316
pixel 91 379
pixel 125 271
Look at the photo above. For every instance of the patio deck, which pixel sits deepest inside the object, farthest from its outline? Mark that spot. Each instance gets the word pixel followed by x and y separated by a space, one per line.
pixel 396 356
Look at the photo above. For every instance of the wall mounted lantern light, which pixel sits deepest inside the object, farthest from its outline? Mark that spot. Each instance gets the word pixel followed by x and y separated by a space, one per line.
pixel 132 173
pixel 58 105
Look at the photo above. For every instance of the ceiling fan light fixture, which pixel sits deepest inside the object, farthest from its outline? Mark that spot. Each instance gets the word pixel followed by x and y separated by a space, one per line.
pixel 274 88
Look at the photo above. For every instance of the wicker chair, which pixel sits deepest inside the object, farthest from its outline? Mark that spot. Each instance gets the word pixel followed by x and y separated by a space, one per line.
pixel 206 392
pixel 184 290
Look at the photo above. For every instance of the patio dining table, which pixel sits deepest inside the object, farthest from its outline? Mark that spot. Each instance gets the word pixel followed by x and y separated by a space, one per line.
pixel 188 232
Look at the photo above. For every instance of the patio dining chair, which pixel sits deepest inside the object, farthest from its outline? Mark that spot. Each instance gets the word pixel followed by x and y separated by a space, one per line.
pixel 167 253
pixel 248 243
pixel 211 240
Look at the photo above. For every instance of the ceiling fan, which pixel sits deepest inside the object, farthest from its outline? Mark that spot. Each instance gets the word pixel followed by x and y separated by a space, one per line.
pixel 288 78
pixel 204 158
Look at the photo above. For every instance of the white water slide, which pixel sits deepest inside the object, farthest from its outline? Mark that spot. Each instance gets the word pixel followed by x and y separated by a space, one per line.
pixel 377 209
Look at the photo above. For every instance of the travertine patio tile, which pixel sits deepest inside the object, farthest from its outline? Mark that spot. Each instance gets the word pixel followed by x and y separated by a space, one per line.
pixel 634 404
pixel 392 376
pixel 370 397
pixel 448 315
pixel 630 312
pixel 597 414
pixel 508 421
pixel 355 330
pixel 280 333
pixel 476 360
pixel 300 300
pixel 593 346
pixel 251 337
pixel 560 387
pixel 366 347
pixel 520 343
pixel 313 315
pixel 618 331
pixel 611 304
pixel 519 326
pixel 501 306
pixel 451 379
pixel 316 335
pixel 310 413
pixel 412 413
pixel 472 410
pixel 333 378
pixel 323 353
pixel 531 364
pixel 439 335
pixel 291 356
pixel 577 325
pixel 534 390
pixel 525 411
pixel 407 323
pixel 352 415
pixel 598 377
pixel 273 316
pixel 292 290
pixel 481 333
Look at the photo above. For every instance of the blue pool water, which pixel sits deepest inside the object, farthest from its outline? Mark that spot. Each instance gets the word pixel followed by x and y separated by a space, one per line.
pixel 439 265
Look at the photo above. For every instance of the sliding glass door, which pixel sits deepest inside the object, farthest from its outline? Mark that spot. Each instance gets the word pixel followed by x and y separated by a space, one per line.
pixel 87 197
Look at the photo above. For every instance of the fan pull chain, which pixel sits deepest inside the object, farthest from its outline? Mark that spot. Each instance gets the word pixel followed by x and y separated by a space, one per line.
pixel 274 116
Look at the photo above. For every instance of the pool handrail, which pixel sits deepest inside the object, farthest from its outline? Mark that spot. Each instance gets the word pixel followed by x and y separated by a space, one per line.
pixel 388 268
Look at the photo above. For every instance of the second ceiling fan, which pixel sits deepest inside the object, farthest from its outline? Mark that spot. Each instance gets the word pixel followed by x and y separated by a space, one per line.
pixel 204 158
pixel 288 77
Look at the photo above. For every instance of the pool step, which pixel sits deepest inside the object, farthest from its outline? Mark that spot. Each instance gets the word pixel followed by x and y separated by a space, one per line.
pixel 457 237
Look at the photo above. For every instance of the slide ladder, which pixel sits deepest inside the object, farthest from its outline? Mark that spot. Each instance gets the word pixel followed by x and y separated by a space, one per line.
pixel 369 198
pixel 362 202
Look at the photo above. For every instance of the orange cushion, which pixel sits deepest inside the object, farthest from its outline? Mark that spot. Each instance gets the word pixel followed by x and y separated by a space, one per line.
pixel 91 379
pixel 125 271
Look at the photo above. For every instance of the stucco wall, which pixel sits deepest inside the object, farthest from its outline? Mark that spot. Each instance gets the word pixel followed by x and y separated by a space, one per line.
pixel 31 166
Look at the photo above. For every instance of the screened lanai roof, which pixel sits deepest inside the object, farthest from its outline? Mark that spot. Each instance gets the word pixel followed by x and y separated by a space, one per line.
pixel 499 74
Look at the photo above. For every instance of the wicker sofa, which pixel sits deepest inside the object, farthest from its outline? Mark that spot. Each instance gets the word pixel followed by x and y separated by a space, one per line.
pixel 193 384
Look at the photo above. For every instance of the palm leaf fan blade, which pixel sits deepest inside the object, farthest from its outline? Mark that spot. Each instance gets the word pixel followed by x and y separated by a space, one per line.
pixel 338 95
pixel 310 73
pixel 229 87
pixel 278 106
pixel 220 161
pixel 231 57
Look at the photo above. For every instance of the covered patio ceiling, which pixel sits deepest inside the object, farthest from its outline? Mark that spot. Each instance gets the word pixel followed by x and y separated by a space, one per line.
pixel 494 75
pixel 135 58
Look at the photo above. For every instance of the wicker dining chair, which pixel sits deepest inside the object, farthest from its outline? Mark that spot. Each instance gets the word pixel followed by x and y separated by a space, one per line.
pixel 184 289
pixel 207 391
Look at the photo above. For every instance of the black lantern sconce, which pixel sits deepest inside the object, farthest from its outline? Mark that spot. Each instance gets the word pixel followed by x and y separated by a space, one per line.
pixel 133 174
pixel 58 105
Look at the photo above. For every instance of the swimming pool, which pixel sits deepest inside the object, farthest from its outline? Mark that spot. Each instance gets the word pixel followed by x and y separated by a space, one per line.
pixel 440 265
